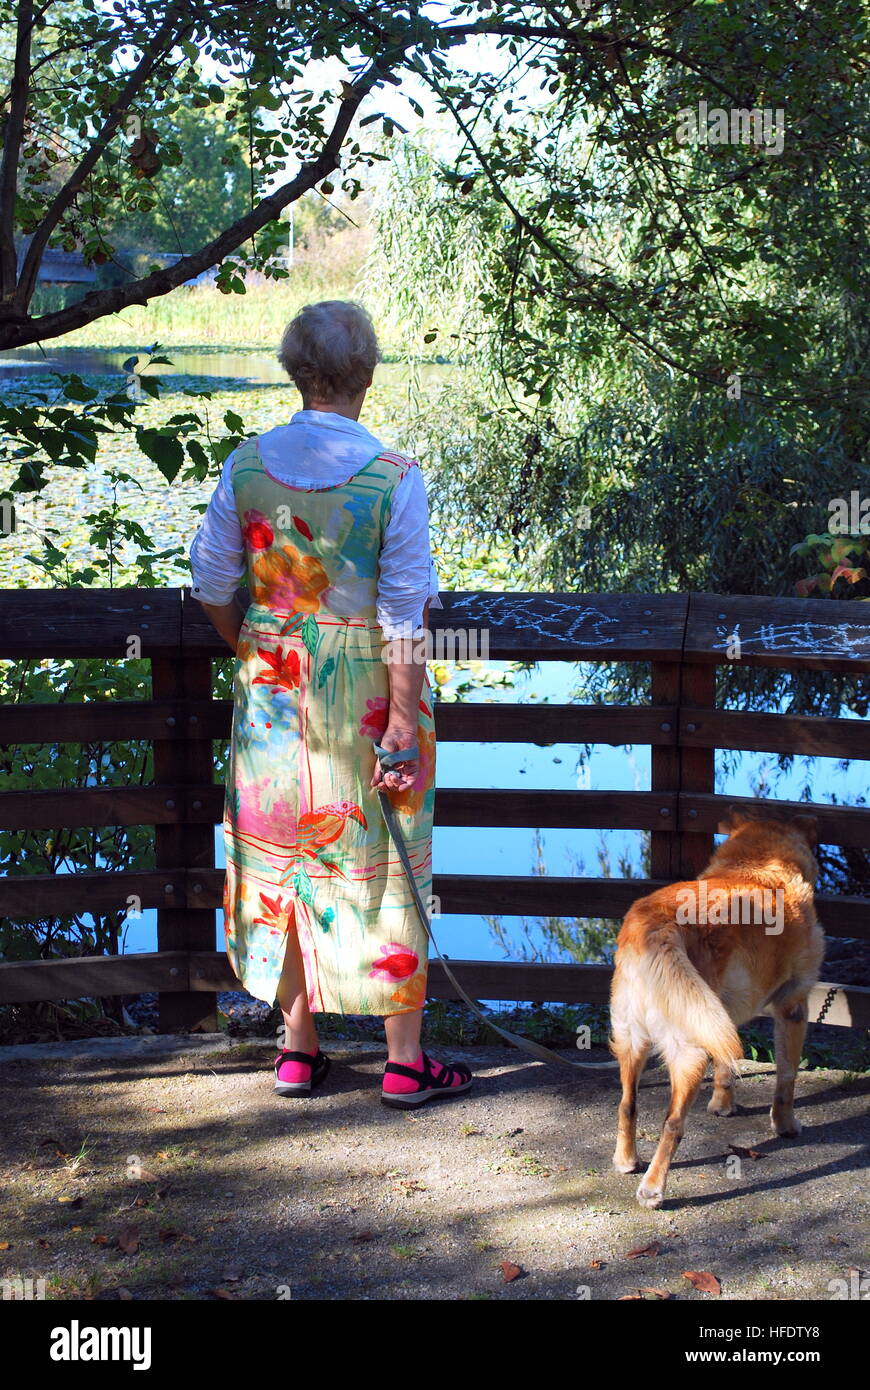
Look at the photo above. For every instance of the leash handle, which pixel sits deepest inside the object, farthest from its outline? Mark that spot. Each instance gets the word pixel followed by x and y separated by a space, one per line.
pixel 534 1049
pixel 401 755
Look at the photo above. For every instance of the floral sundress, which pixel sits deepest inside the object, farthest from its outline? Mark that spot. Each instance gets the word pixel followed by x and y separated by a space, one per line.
pixel 306 844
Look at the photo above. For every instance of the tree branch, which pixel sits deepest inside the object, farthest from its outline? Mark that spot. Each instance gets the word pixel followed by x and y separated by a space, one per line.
pixel 18 333
pixel 67 194
pixel 13 136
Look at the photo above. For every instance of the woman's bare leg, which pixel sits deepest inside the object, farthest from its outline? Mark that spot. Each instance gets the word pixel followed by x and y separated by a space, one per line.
pixel 300 1034
pixel 403 1036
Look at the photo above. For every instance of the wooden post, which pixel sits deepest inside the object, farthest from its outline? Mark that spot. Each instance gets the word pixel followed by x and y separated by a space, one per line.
pixel 665 773
pixel 697 766
pixel 183 762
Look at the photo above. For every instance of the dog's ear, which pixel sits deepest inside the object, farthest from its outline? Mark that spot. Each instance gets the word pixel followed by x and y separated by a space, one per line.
pixel 732 819
pixel 809 828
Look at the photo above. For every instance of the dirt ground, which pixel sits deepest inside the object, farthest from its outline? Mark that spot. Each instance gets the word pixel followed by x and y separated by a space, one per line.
pixel 155 1168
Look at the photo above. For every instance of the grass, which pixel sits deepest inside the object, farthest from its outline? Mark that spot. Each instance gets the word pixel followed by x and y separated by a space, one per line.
pixel 200 316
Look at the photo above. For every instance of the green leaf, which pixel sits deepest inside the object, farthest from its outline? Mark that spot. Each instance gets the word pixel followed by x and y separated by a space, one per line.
pixel 310 634
pixel 326 670
pixel 163 449
pixel 302 884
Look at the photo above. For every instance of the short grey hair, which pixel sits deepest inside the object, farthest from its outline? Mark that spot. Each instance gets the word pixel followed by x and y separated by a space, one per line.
pixel 330 349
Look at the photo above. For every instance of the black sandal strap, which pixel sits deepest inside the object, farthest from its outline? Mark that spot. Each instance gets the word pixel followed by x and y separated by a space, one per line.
pixel 426 1078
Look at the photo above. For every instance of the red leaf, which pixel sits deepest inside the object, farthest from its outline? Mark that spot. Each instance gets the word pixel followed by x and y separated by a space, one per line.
pixel 652 1249
pixel 702 1281
pixel 744 1153
pixel 510 1271
pixel 303 528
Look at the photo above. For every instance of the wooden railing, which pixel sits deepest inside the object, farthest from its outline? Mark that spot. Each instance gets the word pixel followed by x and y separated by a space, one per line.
pixel 682 637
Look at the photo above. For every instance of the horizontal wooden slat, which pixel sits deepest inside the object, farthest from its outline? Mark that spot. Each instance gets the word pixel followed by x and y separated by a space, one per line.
pixel 818 634
pixel 203 804
pixel 83 977
pixel 489 722
pixel 532 626
pixel 209 971
pixel 105 806
pixel 27 897
pixel 838 825
pixel 31 896
pixel 207 719
pixel 479 722
pixel 88 622
pixel 107 720
pixel 775 733
pixel 823 634
pixel 558 809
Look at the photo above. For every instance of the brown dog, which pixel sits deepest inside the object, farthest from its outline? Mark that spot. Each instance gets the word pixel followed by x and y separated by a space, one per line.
pixel 695 959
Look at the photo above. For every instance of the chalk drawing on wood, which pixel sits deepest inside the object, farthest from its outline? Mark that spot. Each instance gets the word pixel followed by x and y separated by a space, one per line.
pixel 546 618
pixel 838 641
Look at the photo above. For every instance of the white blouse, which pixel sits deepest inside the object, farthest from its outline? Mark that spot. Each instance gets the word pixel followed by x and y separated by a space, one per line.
pixel 321 449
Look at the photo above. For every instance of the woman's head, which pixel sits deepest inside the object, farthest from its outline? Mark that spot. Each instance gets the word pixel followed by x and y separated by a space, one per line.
pixel 330 350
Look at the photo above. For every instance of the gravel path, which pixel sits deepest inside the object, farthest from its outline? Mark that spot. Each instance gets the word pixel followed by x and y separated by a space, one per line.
pixel 214 1188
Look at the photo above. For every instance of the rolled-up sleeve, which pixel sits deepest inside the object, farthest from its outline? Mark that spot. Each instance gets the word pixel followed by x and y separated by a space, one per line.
pixel 407 571
pixel 217 553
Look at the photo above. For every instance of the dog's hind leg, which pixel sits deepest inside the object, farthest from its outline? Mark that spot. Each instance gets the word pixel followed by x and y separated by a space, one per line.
pixel 722 1101
pixel 686 1069
pixel 789 1030
pixel 631 1064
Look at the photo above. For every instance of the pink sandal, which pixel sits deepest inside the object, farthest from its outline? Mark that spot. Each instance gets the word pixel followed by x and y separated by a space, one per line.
pixel 297 1073
pixel 407 1087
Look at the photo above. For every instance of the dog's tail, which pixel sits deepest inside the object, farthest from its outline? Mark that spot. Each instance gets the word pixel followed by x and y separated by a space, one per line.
pixel 682 995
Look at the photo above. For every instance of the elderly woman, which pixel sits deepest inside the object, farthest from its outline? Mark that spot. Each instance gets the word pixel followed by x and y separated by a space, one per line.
pixel 331 533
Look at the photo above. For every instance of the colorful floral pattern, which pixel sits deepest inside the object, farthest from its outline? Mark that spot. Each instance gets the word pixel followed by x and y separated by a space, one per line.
pixel 306 845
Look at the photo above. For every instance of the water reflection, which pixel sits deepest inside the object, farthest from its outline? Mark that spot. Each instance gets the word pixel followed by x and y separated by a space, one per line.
pixel 255 367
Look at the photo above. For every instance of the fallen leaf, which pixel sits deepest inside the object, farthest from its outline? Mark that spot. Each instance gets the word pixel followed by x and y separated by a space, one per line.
pixel 361 1236
pixel 510 1271
pixel 128 1240
pixel 43 1243
pixel 658 1293
pixel 142 1175
pixel 222 1293
pixel 5 1245
pixel 744 1153
pixel 71 1201
pixel 630 1298
pixel 75 1228
pixel 597 1264
pixel 100 1240
pixel 156 1110
pixel 652 1249
pixel 702 1281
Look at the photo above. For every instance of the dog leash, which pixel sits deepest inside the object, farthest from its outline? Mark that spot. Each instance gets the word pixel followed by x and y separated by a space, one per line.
pixel 388 762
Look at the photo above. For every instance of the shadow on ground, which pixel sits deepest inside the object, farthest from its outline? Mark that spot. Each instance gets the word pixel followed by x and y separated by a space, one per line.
pixel 142 1172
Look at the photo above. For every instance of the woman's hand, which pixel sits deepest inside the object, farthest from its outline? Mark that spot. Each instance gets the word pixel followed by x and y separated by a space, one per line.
pixel 404 775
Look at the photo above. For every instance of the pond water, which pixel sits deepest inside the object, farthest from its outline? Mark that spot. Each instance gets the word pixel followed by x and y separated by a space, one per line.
pixel 253 384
